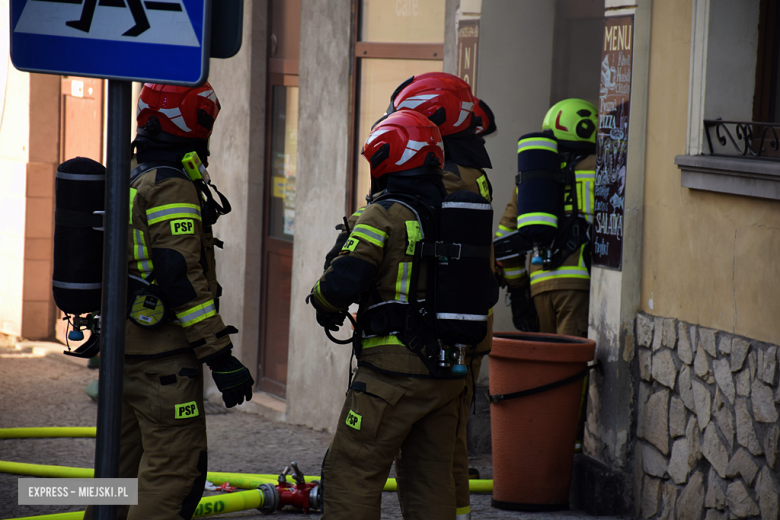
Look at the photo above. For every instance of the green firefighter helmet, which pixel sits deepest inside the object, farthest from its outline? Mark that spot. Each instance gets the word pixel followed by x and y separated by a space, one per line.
pixel 573 122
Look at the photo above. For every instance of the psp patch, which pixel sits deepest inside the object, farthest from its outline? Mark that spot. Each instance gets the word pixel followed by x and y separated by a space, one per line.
pixel 350 245
pixel 183 226
pixel 354 420
pixel 187 410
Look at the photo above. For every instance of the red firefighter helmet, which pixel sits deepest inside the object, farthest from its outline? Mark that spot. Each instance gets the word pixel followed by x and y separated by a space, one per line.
pixel 179 111
pixel 443 98
pixel 403 141
pixel 488 124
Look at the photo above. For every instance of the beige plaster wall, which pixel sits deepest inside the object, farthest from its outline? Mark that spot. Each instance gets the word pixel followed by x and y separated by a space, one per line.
pixel 14 129
pixel 517 90
pixel 708 258
pixel 317 372
pixel 236 167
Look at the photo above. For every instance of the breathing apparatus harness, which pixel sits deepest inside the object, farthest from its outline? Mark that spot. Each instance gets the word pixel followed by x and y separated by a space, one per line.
pixel 573 230
pixel 453 316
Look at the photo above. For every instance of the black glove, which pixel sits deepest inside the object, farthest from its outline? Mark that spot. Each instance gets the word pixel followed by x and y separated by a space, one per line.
pixel 232 379
pixel 331 321
pixel 524 316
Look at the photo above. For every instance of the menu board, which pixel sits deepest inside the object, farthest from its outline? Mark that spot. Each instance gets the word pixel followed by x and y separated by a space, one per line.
pixel 612 141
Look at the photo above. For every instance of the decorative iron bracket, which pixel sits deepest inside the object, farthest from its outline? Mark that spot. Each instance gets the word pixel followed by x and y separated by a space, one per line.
pixel 748 138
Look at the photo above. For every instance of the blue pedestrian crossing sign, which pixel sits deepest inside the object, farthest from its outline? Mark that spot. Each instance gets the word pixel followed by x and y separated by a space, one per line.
pixel 165 41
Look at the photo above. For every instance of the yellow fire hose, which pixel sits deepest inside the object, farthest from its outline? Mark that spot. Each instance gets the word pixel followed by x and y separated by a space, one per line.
pixel 32 433
pixel 42 470
pixel 239 480
pixel 214 505
pixel 76 515
pixel 218 504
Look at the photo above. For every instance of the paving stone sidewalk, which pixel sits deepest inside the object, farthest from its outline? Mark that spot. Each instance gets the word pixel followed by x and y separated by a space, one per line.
pixel 41 387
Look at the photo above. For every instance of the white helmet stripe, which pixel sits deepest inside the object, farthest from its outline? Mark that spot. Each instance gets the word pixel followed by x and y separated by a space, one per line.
pixel 141 106
pixel 465 110
pixel 415 101
pixel 412 147
pixel 376 134
pixel 209 94
pixel 174 114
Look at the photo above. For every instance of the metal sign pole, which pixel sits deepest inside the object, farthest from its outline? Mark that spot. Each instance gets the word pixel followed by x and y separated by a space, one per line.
pixel 113 313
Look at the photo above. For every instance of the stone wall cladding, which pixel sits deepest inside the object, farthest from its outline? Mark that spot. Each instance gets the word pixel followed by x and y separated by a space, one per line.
pixel 707 424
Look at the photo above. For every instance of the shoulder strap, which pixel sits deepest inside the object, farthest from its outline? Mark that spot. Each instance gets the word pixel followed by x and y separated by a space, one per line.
pixel 153 165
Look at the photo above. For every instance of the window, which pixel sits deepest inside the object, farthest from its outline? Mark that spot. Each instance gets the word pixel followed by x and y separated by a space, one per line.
pixel 765 101
pixel 733 85
pixel 394 40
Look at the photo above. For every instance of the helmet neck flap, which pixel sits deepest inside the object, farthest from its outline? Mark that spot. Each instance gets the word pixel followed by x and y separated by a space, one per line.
pixel 423 182
pixel 149 149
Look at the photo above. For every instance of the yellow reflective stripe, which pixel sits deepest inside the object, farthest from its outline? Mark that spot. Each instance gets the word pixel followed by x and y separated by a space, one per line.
pixel 133 191
pixel 462 511
pixel 141 254
pixel 561 272
pixel 513 274
pixel 537 219
pixel 381 340
pixel 586 180
pixel 170 211
pixel 322 300
pixel 413 234
pixel 402 281
pixel 359 212
pixel 502 229
pixel 537 143
pixel 370 234
pixel 587 202
pixel 484 190
pixel 197 314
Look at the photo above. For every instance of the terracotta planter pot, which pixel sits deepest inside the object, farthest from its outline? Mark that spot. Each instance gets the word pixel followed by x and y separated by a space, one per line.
pixel 534 435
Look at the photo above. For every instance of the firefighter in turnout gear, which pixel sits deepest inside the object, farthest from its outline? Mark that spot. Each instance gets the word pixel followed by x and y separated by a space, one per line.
pixel 173 325
pixel 560 289
pixel 398 404
pixel 447 101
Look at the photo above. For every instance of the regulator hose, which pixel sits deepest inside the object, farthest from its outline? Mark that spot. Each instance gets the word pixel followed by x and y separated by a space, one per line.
pixel 343 341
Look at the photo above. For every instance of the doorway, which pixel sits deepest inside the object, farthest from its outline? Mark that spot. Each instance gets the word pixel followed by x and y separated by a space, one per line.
pixel 279 200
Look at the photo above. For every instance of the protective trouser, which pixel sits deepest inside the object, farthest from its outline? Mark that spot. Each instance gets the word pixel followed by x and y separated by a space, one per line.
pixel 563 311
pixel 382 415
pixel 460 458
pixel 460 455
pixel 163 437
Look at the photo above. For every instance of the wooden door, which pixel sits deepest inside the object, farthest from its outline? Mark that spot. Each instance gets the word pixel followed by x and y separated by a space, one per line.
pixel 81 109
pixel 279 208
